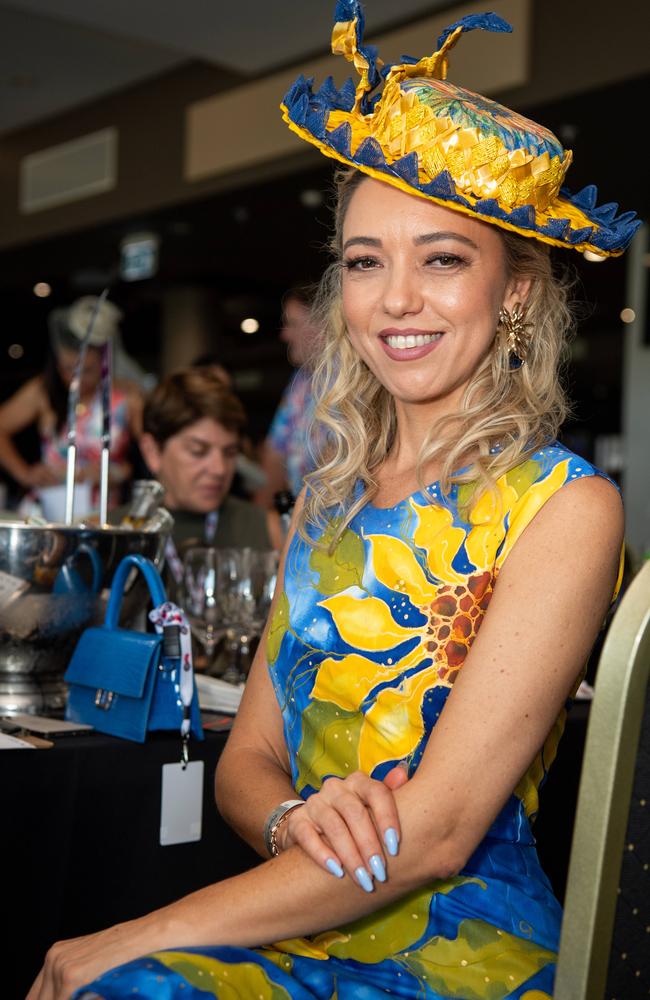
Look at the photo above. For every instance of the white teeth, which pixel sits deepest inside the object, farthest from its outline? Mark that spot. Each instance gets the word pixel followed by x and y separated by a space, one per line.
pixel 402 343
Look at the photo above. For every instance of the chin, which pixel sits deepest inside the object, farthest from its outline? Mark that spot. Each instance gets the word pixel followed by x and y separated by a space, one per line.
pixel 206 504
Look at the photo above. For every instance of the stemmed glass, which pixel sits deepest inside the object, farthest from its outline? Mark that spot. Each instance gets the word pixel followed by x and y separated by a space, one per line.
pixel 199 598
pixel 227 593
pixel 245 584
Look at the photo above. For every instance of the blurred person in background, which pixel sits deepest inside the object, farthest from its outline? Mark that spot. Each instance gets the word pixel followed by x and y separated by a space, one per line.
pixel 43 401
pixel 214 363
pixel 249 475
pixel 286 455
pixel 192 432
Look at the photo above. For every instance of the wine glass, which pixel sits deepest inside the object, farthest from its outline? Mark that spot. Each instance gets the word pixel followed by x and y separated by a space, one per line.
pixel 199 598
pixel 263 574
pixel 245 584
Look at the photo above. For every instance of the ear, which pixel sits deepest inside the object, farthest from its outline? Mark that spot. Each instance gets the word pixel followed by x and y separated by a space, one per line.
pixel 151 452
pixel 518 290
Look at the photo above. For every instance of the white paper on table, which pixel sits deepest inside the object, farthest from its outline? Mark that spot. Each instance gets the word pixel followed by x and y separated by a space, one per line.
pixel 14 743
pixel 216 695
pixel 585 692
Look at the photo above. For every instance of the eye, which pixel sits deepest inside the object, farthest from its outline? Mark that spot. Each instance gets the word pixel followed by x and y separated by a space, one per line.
pixel 360 263
pixel 445 260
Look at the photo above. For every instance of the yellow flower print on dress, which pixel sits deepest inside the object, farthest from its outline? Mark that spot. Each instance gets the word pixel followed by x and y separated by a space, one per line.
pixel 438 628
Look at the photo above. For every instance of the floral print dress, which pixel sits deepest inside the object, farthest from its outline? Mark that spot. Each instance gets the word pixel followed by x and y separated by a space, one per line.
pixel 363 650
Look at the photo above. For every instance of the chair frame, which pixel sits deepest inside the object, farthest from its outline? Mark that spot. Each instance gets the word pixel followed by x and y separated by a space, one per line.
pixel 604 796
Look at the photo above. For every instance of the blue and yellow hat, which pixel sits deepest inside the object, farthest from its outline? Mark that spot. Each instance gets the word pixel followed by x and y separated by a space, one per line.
pixel 429 137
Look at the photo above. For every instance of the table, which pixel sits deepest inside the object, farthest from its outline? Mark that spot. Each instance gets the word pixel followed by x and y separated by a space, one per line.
pixel 80 837
pixel 80 842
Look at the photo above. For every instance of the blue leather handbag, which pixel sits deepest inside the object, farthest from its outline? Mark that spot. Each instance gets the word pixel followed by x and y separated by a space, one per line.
pixel 127 683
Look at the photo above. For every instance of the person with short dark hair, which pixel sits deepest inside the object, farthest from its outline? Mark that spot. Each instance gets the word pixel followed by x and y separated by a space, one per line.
pixel 192 427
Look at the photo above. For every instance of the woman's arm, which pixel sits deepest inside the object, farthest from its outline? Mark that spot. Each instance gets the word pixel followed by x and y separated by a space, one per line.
pixel 24 408
pixel 548 604
pixel 274 468
pixel 253 775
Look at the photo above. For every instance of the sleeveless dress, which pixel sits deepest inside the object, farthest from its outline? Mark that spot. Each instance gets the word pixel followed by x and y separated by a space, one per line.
pixel 54 444
pixel 363 650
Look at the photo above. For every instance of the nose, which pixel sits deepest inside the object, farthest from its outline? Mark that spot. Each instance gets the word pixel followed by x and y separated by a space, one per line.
pixel 216 464
pixel 402 290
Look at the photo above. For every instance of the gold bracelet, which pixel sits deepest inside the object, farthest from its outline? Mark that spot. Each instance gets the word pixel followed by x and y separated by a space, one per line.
pixel 274 823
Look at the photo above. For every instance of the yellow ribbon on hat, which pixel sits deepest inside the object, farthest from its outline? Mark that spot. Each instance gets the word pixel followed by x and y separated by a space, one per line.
pixel 344 43
pixel 480 166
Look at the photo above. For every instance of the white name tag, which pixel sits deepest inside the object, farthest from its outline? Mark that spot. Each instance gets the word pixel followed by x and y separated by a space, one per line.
pixel 181 809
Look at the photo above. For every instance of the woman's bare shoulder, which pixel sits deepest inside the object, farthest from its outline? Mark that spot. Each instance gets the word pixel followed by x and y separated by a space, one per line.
pixel 592 503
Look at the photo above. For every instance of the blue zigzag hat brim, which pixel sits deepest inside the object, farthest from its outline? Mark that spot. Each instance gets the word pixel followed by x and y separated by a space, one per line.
pixel 603 231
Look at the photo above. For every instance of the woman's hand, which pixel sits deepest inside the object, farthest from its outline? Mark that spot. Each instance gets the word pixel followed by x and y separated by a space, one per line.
pixel 350 825
pixel 89 472
pixel 39 475
pixel 73 963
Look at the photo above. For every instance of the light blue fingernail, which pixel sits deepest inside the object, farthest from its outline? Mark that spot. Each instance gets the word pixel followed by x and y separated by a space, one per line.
pixel 363 878
pixel 334 868
pixel 377 866
pixel 391 841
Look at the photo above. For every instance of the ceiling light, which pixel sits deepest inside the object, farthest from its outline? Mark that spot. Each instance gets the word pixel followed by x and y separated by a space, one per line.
pixel 628 315
pixel 249 325
pixel 15 351
pixel 595 258
pixel 41 289
pixel 311 198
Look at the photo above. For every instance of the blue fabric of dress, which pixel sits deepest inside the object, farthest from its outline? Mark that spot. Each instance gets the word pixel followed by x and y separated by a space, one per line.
pixel 363 650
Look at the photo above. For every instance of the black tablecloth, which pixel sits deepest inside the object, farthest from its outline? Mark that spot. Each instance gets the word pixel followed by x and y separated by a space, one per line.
pixel 80 842
pixel 80 838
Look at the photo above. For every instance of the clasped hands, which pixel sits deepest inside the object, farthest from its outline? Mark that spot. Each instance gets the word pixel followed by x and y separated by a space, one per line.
pixel 351 825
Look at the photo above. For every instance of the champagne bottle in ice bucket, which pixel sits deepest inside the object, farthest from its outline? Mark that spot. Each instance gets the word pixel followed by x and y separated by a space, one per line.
pixel 146 497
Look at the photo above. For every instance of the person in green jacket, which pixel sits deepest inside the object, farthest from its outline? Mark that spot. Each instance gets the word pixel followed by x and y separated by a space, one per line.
pixel 192 427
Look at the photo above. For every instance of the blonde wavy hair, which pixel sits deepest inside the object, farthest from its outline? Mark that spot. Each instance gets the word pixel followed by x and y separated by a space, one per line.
pixel 512 412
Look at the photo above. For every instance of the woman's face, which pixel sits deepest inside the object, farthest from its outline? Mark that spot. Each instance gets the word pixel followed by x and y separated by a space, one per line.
pixel 91 373
pixel 298 332
pixel 422 289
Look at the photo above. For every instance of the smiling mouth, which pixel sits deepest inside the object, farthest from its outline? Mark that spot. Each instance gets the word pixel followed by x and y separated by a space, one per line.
pixel 400 342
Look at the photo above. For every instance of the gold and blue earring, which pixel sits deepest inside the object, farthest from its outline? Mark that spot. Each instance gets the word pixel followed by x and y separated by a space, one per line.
pixel 515 336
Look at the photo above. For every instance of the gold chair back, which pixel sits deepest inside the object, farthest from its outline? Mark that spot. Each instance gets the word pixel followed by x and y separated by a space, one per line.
pixel 604 797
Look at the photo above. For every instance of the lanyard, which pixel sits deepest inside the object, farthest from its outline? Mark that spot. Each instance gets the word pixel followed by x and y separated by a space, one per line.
pixel 171 554
pixel 170 622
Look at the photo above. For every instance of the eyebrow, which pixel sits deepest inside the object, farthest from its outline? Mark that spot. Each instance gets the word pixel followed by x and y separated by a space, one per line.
pixel 426 238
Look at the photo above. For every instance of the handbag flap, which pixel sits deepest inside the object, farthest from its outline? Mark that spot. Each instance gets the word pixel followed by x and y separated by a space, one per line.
pixel 114 660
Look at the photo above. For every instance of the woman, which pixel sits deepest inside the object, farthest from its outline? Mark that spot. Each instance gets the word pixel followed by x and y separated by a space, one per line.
pixel 43 401
pixel 396 770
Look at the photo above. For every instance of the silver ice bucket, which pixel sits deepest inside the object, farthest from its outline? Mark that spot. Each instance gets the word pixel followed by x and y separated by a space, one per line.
pixel 55 581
